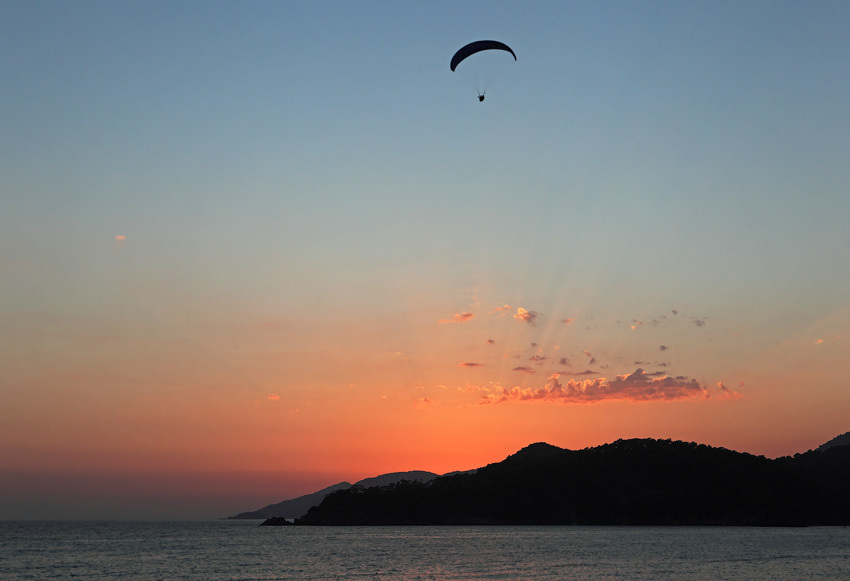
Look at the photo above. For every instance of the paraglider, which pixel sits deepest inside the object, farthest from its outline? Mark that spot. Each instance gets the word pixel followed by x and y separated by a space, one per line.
pixel 481 71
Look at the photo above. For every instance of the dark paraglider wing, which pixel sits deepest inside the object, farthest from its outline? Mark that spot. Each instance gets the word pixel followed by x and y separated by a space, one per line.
pixel 478 46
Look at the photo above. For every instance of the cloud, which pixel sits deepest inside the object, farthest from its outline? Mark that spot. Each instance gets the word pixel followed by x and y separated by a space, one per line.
pixel 490 341
pixel 459 318
pixel 524 369
pixel 526 316
pixel 698 322
pixel 273 396
pixel 468 364
pixel 726 393
pixel 567 321
pixel 663 347
pixel 422 402
pixel 637 386
pixel 502 310
pixel 119 241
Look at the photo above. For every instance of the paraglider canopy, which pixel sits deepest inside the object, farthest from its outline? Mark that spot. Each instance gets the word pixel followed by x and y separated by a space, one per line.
pixel 477 46
pixel 482 70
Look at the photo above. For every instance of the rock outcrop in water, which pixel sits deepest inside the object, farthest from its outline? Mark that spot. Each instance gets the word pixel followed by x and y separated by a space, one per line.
pixel 276 521
pixel 627 482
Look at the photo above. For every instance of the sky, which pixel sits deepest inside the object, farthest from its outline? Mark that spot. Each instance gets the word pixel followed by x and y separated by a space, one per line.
pixel 252 249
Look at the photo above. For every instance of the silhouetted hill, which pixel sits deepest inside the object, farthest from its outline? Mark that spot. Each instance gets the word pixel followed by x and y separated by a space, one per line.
pixel 842 440
pixel 292 508
pixel 537 450
pixel 299 506
pixel 641 481
pixel 393 477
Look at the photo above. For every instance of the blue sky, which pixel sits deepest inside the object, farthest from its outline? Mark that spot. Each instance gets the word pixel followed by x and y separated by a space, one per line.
pixel 229 201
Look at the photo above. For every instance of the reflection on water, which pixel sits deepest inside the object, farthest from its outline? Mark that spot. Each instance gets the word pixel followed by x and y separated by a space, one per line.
pixel 219 550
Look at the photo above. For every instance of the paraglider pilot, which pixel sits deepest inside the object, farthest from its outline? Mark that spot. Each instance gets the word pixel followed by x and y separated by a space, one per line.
pixel 476 47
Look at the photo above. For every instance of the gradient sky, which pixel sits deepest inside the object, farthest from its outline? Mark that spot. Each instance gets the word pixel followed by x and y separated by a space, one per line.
pixel 251 249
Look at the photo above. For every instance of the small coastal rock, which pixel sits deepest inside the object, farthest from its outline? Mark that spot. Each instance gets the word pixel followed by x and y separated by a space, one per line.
pixel 276 521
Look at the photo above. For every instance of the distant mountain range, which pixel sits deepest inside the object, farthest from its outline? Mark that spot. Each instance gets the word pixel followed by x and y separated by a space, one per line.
pixel 297 507
pixel 627 482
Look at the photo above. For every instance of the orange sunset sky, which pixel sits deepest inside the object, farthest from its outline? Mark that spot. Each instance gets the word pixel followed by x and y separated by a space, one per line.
pixel 251 250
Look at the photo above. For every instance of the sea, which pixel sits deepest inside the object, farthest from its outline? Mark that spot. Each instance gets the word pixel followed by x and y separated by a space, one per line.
pixel 242 550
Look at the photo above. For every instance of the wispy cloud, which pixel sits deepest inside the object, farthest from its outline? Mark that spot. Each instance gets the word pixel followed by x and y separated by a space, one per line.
pixel 459 318
pixel 470 364
pixel 524 369
pixel 637 386
pixel 273 396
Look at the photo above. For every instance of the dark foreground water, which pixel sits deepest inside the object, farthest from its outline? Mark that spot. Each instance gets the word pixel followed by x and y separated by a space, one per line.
pixel 217 550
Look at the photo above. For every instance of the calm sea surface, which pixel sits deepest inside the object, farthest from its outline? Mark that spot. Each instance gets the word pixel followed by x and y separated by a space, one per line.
pixel 217 550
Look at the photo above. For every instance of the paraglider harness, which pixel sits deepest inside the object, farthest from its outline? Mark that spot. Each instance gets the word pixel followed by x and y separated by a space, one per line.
pixel 480 97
